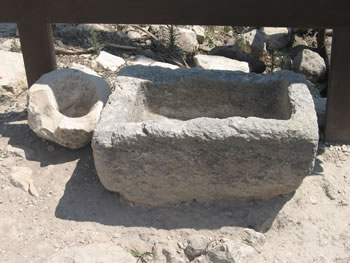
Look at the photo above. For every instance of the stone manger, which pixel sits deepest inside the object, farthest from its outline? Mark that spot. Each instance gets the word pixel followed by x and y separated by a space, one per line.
pixel 167 136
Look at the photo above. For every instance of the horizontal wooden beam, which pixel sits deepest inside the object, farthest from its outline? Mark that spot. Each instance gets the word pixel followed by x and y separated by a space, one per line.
pixel 297 13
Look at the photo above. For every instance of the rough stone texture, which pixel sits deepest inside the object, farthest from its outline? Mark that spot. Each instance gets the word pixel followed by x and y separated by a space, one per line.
pixel 254 239
pixel 95 27
pixel 234 52
pixel 220 63
pixel 310 63
pixel 13 79
pixel 277 37
pixel 187 40
pixel 7 45
pixel 195 247
pixel 134 35
pixel 201 259
pixel 200 33
pixel 230 252
pixel 109 61
pixel 253 42
pixel 65 105
pixel 321 108
pixel 168 136
pixel 145 61
pixel 21 177
pixel 93 253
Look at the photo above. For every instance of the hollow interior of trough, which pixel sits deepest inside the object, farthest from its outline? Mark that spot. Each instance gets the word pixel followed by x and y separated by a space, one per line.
pixel 75 96
pixel 196 98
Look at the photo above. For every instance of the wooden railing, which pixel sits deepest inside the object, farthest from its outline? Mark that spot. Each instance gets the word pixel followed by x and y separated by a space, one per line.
pixel 35 16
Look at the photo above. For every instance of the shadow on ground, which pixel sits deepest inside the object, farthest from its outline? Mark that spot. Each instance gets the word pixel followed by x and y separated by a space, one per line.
pixel 14 126
pixel 86 200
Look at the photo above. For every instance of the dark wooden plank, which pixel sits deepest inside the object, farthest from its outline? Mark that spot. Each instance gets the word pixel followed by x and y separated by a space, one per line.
pixel 38 50
pixel 338 107
pixel 309 13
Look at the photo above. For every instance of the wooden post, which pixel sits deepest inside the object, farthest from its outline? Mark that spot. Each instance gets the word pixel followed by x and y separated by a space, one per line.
pixel 38 49
pixel 338 102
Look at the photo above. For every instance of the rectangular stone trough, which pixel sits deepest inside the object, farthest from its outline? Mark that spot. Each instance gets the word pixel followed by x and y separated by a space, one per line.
pixel 168 136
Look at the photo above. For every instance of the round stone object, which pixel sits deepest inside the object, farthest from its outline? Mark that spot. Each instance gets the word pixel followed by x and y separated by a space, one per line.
pixel 65 105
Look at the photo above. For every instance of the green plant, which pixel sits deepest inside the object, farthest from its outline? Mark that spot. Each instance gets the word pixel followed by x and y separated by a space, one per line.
pixel 211 29
pixel 209 39
pixel 209 35
pixel 15 46
pixel 140 256
pixel 227 29
pixel 172 37
pixel 95 44
pixel 274 59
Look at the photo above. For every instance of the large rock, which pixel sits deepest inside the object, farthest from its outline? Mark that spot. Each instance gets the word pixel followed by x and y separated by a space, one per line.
pixel 145 61
pixel 220 63
pixel 93 253
pixel 65 105
pixel 109 61
pixel 168 136
pixel 310 63
pixel 187 40
pixel 13 79
pixel 277 37
pixel 200 33
pixel 234 52
pixel 253 42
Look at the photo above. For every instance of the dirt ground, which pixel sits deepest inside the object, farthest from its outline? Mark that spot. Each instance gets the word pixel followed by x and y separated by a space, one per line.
pixel 74 210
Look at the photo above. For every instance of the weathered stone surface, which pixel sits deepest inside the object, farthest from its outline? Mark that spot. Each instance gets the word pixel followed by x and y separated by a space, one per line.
pixel 253 42
pixel 230 252
pixel 134 35
pixel 12 76
pixel 171 256
pixel 9 45
pixel 277 37
pixel 195 247
pixel 95 27
pixel 200 33
pixel 310 63
pixel 145 61
pixel 21 177
pixel 168 136
pixel 234 52
pixel 220 63
pixel 254 239
pixel 109 61
pixel 187 40
pixel 65 105
pixel 201 259
pixel 101 253
pixel 321 108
